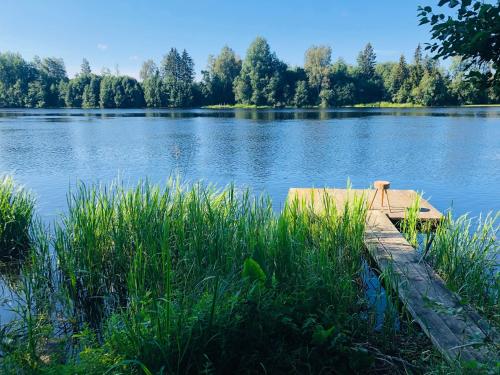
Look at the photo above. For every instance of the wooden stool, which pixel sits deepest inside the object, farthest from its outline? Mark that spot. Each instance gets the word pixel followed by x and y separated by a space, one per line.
pixel 383 186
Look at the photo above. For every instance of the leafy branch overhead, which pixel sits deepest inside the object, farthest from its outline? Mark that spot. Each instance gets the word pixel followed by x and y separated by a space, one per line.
pixel 472 33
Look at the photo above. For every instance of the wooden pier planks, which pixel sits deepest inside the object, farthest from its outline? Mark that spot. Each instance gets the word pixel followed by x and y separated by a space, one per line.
pixel 453 328
pixel 400 200
pixel 457 330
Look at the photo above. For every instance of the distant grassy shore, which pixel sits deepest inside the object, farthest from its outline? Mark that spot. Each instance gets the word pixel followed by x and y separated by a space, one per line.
pixel 386 105
pixel 360 105
pixel 235 106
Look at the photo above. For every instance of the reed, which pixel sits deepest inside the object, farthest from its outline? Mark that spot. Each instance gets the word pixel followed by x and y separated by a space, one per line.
pixel 180 279
pixel 466 253
pixel 16 215
pixel 410 224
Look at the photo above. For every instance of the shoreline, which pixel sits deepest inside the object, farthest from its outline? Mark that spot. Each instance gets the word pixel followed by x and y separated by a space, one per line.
pixel 259 108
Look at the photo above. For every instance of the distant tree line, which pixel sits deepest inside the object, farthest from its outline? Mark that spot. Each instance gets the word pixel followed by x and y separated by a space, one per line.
pixel 261 79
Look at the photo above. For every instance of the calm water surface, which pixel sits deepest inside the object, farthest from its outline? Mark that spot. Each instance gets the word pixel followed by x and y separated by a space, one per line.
pixel 451 154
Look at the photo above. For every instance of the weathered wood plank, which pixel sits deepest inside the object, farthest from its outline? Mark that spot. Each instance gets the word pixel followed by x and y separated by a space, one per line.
pixel 451 327
pixel 399 200
pixel 457 330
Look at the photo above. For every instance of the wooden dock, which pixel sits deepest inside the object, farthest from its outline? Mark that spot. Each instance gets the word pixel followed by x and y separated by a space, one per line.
pixel 456 330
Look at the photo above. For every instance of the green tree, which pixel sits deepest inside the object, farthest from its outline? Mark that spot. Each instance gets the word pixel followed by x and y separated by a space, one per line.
pixel 473 34
pixel 301 98
pixel 51 71
pixel 400 84
pixel 291 78
pixel 260 81
pixel 418 67
pixel 317 66
pixel 90 97
pixel 106 92
pixel 218 78
pixel 152 85
pixel 431 90
pixel 466 88
pixel 384 71
pixel 369 86
pixel 35 97
pixel 85 68
pixel 366 62
pixel 15 76
pixel 132 91
pixel 74 91
pixel 177 73
pixel 154 95
pixel 148 70
pixel 343 80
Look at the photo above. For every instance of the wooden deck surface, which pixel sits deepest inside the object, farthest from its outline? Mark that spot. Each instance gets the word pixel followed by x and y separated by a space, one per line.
pixel 400 200
pixel 456 330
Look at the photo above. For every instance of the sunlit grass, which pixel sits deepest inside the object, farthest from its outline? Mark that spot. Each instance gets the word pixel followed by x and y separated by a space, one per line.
pixel 188 279
pixel 466 253
pixel 16 215
pixel 195 279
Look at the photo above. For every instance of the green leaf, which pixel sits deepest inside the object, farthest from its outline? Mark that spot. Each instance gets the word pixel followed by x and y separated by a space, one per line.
pixel 253 271
pixel 320 335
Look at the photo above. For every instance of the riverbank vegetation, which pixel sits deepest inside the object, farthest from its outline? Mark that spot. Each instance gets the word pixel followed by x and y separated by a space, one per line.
pixel 16 215
pixel 194 280
pixel 466 253
pixel 261 79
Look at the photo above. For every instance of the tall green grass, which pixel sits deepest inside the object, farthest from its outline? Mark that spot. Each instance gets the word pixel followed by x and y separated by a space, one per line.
pixel 180 279
pixel 190 280
pixel 410 224
pixel 466 253
pixel 16 215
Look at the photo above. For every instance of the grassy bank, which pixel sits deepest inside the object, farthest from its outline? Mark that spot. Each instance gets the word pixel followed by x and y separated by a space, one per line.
pixel 387 105
pixel 198 280
pixel 360 105
pixel 237 106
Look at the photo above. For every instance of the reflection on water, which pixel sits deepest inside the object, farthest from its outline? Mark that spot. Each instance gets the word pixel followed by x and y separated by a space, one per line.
pixel 246 114
pixel 451 154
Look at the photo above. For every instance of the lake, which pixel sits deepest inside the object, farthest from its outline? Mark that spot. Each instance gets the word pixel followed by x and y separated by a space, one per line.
pixel 451 154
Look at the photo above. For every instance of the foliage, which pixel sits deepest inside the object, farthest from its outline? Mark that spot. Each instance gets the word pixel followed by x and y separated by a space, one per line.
pixel 195 279
pixel 219 77
pixel 465 252
pixel 179 280
pixel 261 80
pixel 261 76
pixel 317 66
pixel 301 98
pixel 177 74
pixel 473 34
pixel 16 217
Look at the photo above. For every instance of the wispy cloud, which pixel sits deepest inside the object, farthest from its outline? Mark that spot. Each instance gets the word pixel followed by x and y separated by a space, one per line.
pixel 134 58
pixel 102 46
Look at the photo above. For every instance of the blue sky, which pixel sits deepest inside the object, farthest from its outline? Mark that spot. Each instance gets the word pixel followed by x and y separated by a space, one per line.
pixel 127 32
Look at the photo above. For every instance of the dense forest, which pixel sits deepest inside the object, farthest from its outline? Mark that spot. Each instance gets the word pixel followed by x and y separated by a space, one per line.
pixel 260 79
